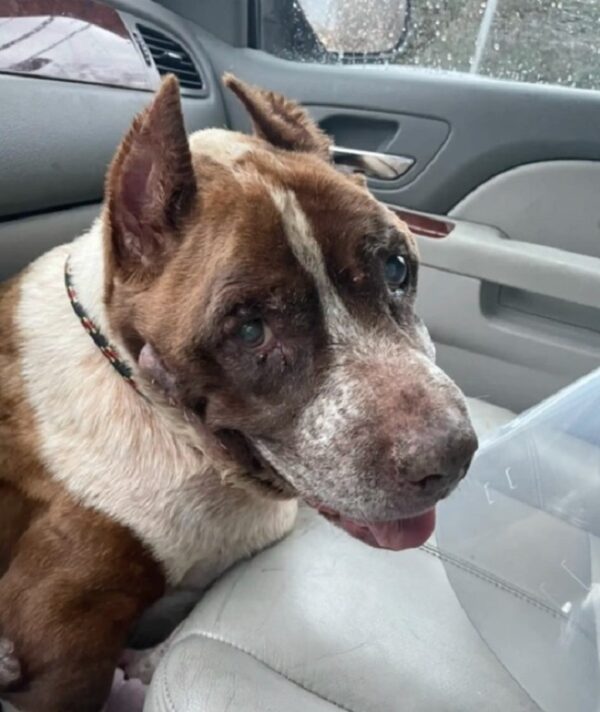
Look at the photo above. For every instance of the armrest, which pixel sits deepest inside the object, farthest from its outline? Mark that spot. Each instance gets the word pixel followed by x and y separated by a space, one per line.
pixel 485 253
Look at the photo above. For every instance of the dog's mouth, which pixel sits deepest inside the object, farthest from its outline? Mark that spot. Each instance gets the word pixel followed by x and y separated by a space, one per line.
pixel 405 533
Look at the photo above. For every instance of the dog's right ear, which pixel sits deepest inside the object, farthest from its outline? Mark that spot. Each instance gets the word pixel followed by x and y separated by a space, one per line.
pixel 150 189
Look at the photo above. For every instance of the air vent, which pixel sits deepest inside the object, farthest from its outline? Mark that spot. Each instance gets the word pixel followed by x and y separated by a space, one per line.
pixel 171 58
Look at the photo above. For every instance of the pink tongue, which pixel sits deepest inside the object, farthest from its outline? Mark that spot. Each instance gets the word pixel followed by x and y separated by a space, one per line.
pixel 401 534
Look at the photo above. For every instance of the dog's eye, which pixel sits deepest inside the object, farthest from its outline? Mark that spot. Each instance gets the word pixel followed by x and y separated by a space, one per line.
pixel 396 272
pixel 254 333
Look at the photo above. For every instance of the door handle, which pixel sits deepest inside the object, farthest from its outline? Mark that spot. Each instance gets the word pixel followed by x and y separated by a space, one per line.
pixel 382 166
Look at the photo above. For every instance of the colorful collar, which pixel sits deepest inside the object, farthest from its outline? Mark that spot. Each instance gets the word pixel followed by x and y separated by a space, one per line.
pixel 108 350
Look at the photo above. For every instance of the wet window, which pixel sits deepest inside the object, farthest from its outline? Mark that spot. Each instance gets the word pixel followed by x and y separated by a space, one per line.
pixel 539 41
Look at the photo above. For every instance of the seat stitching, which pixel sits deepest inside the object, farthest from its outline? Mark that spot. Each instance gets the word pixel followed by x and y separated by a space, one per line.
pixel 253 655
pixel 492 579
pixel 165 687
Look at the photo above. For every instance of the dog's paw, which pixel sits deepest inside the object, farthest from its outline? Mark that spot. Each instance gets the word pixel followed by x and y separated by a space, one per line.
pixel 10 667
pixel 141 664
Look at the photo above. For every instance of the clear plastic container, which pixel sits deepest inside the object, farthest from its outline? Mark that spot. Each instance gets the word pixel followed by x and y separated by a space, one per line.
pixel 521 543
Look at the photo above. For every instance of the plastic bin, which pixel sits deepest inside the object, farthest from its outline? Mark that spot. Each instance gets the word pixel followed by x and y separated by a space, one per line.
pixel 527 521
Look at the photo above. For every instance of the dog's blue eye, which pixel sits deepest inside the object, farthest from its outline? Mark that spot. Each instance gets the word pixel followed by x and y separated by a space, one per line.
pixel 395 272
pixel 252 332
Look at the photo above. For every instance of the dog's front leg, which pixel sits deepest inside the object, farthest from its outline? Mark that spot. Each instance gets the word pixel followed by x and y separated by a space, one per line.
pixel 67 602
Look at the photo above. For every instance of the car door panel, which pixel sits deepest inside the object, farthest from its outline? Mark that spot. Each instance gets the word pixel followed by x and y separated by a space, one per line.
pixel 544 292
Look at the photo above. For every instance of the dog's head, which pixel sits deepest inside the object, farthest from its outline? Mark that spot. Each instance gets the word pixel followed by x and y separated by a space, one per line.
pixel 271 298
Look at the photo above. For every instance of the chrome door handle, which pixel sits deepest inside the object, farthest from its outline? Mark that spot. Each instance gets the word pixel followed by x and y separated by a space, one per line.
pixel 382 166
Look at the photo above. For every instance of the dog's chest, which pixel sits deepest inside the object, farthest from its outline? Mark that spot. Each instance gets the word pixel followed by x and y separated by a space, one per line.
pixel 108 447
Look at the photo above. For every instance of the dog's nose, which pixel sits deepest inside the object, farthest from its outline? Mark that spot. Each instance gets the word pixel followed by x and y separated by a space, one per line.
pixel 446 459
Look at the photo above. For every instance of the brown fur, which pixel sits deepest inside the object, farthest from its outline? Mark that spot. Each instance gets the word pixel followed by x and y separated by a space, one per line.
pixel 16 513
pixel 19 466
pixel 72 581
pixel 76 584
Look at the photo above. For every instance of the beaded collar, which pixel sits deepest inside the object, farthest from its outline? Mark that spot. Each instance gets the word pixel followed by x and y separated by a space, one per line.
pixel 109 351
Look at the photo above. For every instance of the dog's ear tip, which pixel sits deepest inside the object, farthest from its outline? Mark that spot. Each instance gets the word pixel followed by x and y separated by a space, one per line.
pixel 151 183
pixel 235 84
pixel 168 89
pixel 165 112
pixel 169 83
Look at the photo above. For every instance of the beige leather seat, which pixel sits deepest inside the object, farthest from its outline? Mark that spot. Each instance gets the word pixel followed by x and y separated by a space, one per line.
pixel 322 622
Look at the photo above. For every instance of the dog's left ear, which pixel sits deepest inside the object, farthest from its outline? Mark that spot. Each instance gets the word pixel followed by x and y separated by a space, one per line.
pixel 150 187
pixel 280 121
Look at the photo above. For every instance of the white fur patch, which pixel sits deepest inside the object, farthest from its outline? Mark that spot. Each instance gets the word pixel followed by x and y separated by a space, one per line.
pixel 221 145
pixel 307 251
pixel 118 453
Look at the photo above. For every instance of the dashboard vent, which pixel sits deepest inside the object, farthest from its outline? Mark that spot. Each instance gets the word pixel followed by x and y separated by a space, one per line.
pixel 171 58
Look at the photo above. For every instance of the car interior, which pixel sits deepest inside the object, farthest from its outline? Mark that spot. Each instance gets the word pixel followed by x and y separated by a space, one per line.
pixel 498 176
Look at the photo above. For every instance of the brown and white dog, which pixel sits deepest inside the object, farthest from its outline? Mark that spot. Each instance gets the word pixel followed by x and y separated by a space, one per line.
pixel 255 308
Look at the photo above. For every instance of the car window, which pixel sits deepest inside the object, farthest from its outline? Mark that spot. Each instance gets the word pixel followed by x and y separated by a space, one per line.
pixel 70 40
pixel 537 41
